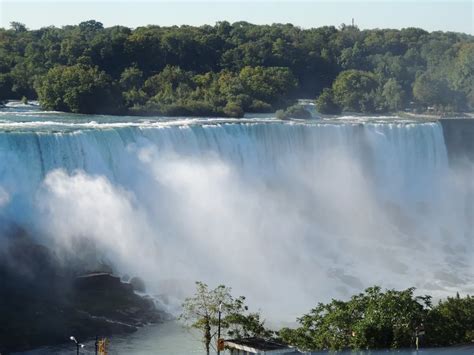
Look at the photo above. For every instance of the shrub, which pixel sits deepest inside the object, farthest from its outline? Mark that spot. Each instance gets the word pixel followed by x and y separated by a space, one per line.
pixel 233 109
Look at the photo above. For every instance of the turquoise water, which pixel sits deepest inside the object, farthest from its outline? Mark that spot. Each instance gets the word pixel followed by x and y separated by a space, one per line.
pixel 167 338
pixel 171 338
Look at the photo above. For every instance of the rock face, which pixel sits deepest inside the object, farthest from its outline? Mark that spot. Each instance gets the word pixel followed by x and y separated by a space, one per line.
pixel 458 135
pixel 104 295
pixel 42 302
pixel 138 284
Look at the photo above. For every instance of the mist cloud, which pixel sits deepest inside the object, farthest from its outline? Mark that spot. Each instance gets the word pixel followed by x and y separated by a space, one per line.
pixel 287 239
pixel 4 197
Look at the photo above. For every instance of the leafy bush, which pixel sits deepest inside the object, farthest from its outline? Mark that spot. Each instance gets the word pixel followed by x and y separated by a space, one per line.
pixel 258 106
pixel 325 103
pixel 295 111
pixel 233 109
pixel 79 89
pixel 354 90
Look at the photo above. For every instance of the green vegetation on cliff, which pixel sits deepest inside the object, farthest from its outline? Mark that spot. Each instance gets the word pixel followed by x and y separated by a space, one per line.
pixel 228 69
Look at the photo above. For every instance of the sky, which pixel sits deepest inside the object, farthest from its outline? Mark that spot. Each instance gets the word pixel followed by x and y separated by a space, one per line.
pixel 432 15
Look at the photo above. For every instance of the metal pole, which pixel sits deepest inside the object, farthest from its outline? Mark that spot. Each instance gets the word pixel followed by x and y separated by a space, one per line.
pixel 219 328
pixel 77 347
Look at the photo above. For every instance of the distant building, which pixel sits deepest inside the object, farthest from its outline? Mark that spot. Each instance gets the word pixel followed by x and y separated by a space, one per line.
pixel 249 346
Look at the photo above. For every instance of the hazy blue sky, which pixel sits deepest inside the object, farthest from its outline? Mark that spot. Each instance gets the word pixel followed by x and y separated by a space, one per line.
pixel 457 15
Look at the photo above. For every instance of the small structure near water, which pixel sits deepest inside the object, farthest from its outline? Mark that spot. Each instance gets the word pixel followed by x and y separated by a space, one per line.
pixel 257 346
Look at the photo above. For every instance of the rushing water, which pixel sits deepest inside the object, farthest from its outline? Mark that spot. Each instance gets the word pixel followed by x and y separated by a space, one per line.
pixel 287 213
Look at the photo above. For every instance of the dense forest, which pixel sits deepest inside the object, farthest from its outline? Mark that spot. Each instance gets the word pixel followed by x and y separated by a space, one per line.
pixel 228 69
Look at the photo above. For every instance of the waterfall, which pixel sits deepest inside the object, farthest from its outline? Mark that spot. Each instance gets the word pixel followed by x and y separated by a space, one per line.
pixel 288 213
pixel 404 158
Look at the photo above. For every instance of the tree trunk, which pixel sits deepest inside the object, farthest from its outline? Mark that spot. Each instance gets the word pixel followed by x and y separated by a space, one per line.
pixel 207 337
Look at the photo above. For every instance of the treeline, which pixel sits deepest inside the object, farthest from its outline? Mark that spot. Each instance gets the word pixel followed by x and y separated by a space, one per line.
pixel 373 319
pixel 392 319
pixel 228 69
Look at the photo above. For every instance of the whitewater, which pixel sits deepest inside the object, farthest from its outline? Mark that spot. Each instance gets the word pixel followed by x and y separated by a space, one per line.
pixel 287 213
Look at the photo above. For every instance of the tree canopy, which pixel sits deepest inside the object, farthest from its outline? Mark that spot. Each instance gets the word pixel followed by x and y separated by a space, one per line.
pixel 227 69
pixel 377 319
pixel 79 89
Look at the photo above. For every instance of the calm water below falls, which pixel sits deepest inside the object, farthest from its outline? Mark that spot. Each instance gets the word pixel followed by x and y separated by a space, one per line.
pixel 171 338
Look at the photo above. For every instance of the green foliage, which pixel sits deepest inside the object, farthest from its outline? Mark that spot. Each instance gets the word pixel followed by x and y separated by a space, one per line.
pixel 131 78
pixel 393 95
pixel 233 109
pixel 354 90
pixel 376 319
pixel 326 103
pixel 373 319
pixel 259 68
pixel 201 311
pixel 272 85
pixel 259 106
pixel 175 91
pixel 79 89
pixel 294 111
pixel 451 322
pixel 18 26
pixel 429 90
pixel 463 72
pixel 5 87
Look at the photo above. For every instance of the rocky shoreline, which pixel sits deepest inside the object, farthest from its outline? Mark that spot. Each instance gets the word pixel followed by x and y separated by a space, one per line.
pixel 44 303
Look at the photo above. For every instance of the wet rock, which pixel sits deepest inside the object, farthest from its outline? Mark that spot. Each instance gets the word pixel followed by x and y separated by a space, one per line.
pixel 43 301
pixel 138 284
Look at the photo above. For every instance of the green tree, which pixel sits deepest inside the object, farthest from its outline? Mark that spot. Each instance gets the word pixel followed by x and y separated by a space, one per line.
pixel 79 89
pixel 295 111
pixel 18 27
pixel 373 319
pixel 272 85
pixel 393 95
pixel 131 81
pixel 354 90
pixel 451 322
pixel 463 72
pixel 261 68
pixel 5 87
pixel 131 78
pixel 429 91
pixel 170 85
pixel 233 109
pixel 202 309
pixel 325 103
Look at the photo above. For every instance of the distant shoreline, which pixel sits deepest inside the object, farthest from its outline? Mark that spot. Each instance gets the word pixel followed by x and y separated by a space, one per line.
pixel 398 114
